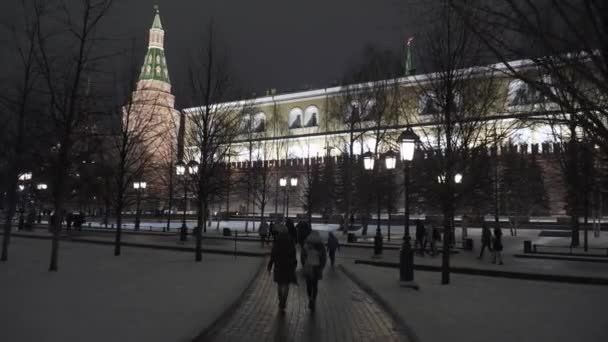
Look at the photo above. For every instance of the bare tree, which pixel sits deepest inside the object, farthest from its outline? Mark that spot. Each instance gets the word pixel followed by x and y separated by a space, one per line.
pixel 362 102
pixel 261 176
pixel 18 107
pixel 211 128
pixel 456 104
pixel 563 62
pixel 133 143
pixel 66 59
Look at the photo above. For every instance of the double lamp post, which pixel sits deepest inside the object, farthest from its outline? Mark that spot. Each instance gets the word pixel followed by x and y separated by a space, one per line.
pixel 183 170
pixel 293 182
pixel 407 143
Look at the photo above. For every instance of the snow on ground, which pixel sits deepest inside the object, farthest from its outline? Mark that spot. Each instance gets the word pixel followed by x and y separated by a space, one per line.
pixel 475 308
pixel 143 295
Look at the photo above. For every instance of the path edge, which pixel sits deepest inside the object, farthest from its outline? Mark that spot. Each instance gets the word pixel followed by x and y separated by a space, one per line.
pixel 401 325
pixel 207 332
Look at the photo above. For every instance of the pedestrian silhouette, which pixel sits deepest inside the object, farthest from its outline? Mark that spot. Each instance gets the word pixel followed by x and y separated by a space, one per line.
pixel 313 259
pixel 283 261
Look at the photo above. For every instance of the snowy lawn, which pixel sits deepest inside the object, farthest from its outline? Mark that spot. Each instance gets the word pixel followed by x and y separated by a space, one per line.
pixel 474 308
pixel 143 295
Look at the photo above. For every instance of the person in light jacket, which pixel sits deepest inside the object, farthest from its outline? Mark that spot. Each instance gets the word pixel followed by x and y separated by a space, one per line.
pixel 313 259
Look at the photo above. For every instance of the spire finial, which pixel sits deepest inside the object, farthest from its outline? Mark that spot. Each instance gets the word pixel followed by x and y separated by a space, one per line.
pixel 156 8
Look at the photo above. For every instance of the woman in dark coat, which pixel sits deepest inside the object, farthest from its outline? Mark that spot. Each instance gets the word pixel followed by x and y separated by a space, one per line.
pixel 283 259
pixel 313 259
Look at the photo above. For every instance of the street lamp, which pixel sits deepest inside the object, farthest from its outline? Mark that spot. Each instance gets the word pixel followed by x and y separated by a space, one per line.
pixel 26 176
pixel 293 182
pixel 193 170
pixel 390 160
pixel 139 187
pixel 181 169
pixel 407 141
pixel 457 178
pixel 368 165
pixel 40 187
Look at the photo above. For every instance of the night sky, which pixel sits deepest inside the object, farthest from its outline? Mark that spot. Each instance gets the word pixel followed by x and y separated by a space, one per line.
pixel 283 44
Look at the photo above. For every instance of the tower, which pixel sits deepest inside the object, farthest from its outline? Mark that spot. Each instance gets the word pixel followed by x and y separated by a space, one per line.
pixel 153 103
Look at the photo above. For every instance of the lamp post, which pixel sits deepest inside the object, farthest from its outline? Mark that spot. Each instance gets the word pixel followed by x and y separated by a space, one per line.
pixel 193 170
pixel 368 165
pixel 407 141
pixel 457 180
pixel 139 187
pixel 25 178
pixel 293 182
pixel 40 187
pixel 180 170
pixel 390 160
pixel 283 184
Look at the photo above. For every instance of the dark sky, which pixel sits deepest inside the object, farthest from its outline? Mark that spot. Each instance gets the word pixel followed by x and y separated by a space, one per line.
pixel 283 44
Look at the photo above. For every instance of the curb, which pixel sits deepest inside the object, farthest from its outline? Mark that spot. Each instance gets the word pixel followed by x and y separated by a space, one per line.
pixel 499 274
pixel 401 325
pixel 564 257
pixel 231 308
pixel 148 246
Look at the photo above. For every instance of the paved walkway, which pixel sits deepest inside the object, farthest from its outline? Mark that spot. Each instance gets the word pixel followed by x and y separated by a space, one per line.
pixel 344 313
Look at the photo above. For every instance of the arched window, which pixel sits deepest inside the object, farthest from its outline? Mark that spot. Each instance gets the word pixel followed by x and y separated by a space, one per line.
pixel 521 94
pixel 427 104
pixel 311 116
pixel 259 122
pixel 245 124
pixel 295 118
pixel 352 111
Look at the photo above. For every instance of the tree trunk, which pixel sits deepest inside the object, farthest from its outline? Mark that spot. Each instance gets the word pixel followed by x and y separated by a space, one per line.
pixel 203 205
pixel 117 242
pixel 12 205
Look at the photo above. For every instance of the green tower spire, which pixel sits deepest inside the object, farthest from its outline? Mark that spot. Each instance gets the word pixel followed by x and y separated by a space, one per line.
pixel 157 24
pixel 409 64
pixel 155 64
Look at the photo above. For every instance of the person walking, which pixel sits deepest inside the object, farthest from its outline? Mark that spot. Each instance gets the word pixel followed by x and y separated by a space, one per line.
pixel 430 235
pixel 296 232
pixel 283 262
pixel 486 239
pixel 263 232
pixel 497 244
pixel 333 245
pixel 313 260
pixel 420 234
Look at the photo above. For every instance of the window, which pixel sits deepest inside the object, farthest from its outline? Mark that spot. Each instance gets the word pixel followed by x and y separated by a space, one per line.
pixel 353 111
pixel 427 104
pixel 522 94
pixel 430 104
pixel 245 124
pixel 259 123
pixel 295 118
pixel 311 116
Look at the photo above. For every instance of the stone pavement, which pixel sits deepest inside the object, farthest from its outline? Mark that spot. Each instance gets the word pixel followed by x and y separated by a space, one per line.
pixel 344 313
